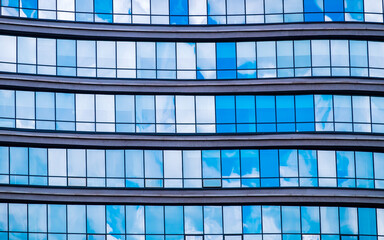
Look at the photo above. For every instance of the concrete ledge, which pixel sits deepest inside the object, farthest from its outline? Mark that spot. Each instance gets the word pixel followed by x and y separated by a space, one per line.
pixel 343 85
pixel 62 29
pixel 369 142
pixel 276 196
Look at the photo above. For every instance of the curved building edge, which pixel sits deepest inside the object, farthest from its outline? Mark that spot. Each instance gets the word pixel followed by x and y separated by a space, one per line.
pixel 264 86
pixel 318 197
pixel 97 31
pixel 304 140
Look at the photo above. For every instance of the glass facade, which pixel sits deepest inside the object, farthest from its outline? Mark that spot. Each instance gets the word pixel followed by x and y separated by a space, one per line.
pixel 184 189
pixel 190 114
pixel 231 168
pixel 200 12
pixel 253 222
pixel 191 60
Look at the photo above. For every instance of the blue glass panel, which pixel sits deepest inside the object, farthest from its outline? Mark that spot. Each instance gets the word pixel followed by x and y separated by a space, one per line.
pixel 19 160
pixel 37 217
pixel 32 4
pixel 367 221
pixel 18 217
pixel 174 222
pixel 213 220
pixel 329 220
pixel 348 220
pixel 345 164
pixel 135 219
pixel 77 216
pixel 211 164
pixel 310 221
pixel 66 53
pixel 225 109
pixel 4 160
pixel 265 109
pixel 57 218
pixel 304 108
pixel 7 103
pixel 291 219
pixel 271 219
pixel 65 107
pixel 333 5
pixel 38 161
pixel 307 163
pixel 285 109
pixel 103 6
pixel 313 6
pixel 95 219
pixel 353 5
pixel 178 7
pixel 269 166
pixel 230 163
pixel 10 3
pixel 245 109
pixel 154 219
pixel 251 219
pixel 115 219
pixel 226 55
pixel 193 216
pixel 364 165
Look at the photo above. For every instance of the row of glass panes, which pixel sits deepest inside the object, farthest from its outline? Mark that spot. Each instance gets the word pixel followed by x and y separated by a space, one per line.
pixel 184 12
pixel 182 60
pixel 176 221
pixel 190 114
pixel 191 168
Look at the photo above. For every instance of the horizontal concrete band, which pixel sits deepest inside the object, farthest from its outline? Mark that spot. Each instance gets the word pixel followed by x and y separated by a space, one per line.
pixel 291 196
pixel 106 141
pixel 190 33
pixel 147 86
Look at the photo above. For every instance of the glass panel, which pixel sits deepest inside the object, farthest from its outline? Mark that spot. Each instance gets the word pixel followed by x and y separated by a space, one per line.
pixel 38 161
pixel 213 220
pixel 85 107
pixel 211 164
pixel 106 52
pixel 96 163
pixel 232 219
pixel 115 219
pixel 310 221
pixel 86 54
pixel 193 218
pixel 271 219
pixel 115 161
pixel 37 217
pixel 57 162
pixel 327 164
pixel 230 163
pixel 348 220
pixel 153 164
pixel 76 219
pixel 192 164
pixel 76 162
pixel 57 218
pixel 105 108
pixel 134 164
pixel 252 219
pixel 95 219
pixel 172 164
pixel 174 223
pixel 66 54
pixel 135 219
pixel 291 219
pixel 154 220
pixel 329 220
